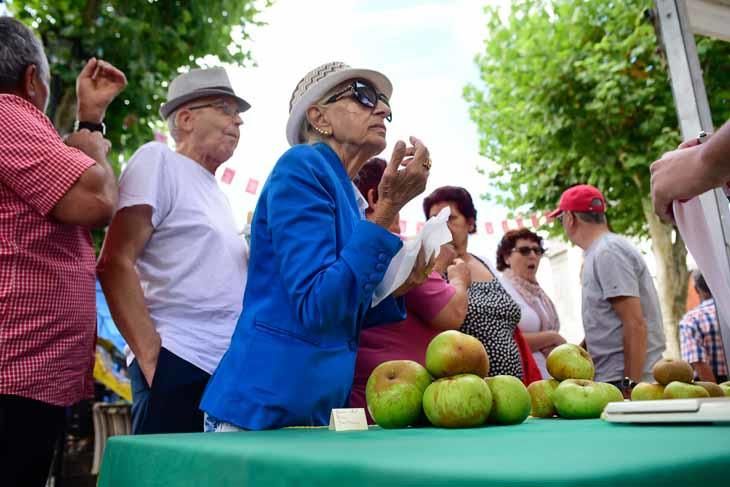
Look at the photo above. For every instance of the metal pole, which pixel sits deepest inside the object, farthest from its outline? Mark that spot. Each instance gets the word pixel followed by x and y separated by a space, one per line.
pixel 693 112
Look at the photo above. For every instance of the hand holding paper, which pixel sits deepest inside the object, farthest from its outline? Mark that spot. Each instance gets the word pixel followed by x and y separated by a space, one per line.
pixel 434 234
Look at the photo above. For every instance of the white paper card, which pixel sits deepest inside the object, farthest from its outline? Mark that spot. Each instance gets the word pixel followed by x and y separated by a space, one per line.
pixel 433 235
pixel 348 419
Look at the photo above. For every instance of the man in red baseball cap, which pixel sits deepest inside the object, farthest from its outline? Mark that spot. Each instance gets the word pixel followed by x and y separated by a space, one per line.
pixel 581 198
pixel 620 307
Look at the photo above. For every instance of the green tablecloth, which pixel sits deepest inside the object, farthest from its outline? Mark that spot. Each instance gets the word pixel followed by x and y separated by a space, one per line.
pixel 537 452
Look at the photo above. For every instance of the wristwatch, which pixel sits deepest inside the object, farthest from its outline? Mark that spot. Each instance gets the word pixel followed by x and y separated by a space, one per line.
pixel 91 126
pixel 627 384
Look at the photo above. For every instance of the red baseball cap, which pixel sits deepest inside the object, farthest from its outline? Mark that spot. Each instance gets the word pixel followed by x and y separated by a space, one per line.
pixel 582 198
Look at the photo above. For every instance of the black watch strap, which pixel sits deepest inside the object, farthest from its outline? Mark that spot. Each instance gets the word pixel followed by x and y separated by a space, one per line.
pixel 91 126
pixel 627 383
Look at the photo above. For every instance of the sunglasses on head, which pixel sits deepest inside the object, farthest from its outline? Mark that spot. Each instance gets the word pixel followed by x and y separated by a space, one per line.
pixel 365 94
pixel 526 250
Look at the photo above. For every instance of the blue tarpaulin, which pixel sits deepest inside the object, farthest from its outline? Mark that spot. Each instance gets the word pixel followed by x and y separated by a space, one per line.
pixel 105 326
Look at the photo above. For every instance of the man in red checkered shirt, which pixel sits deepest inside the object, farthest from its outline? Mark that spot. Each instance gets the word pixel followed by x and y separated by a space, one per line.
pixel 51 193
pixel 699 336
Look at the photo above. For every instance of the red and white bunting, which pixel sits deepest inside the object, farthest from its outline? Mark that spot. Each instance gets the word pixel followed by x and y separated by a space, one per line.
pixel 252 186
pixel 228 175
pixel 534 221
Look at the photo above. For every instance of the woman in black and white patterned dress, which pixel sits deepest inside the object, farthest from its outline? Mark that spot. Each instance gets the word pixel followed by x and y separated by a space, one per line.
pixel 492 315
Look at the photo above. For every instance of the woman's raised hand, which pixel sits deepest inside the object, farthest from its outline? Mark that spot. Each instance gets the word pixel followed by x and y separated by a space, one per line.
pixel 399 186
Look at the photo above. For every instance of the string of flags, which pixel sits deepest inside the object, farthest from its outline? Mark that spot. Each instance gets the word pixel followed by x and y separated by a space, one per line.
pixel 534 221
pixel 252 186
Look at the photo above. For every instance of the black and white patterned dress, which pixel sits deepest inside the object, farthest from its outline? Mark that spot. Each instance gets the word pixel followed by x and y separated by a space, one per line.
pixel 492 316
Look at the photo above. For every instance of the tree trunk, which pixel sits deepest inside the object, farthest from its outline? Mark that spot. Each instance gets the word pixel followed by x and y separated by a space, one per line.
pixel 672 275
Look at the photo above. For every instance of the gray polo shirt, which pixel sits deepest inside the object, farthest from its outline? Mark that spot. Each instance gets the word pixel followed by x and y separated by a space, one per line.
pixel 612 268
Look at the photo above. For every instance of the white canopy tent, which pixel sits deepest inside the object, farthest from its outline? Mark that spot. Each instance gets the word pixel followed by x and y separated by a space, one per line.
pixel 678 22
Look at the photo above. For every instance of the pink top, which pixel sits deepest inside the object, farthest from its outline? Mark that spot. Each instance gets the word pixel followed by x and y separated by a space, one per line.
pixel 404 340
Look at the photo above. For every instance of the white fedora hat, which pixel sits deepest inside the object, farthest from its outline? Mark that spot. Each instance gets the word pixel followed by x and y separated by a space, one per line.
pixel 317 83
pixel 198 83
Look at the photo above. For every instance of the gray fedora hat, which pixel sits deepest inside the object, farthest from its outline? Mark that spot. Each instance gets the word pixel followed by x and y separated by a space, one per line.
pixel 198 83
pixel 317 83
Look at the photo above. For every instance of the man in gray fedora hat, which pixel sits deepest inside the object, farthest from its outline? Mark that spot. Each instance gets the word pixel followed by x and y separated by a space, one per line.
pixel 173 267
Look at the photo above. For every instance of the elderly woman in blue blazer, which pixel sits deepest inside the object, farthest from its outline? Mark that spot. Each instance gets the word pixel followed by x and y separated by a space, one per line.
pixel 315 260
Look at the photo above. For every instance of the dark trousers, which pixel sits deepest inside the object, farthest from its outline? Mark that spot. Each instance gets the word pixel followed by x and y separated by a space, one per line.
pixel 171 405
pixel 29 433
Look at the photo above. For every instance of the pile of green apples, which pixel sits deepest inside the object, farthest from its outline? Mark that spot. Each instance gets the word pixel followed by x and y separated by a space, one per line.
pixel 452 391
pixel 675 380
pixel 571 393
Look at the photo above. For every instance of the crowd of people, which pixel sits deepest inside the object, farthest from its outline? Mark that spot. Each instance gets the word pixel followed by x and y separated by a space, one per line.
pixel 224 336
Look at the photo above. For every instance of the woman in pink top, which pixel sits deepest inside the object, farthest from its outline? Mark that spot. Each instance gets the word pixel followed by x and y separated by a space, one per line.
pixel 434 306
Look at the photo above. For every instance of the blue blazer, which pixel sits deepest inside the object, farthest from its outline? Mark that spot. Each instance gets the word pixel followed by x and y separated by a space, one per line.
pixel 314 264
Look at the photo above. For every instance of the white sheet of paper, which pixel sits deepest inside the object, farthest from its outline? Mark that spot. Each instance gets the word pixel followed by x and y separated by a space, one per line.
pixel 433 235
pixel 348 419
pixel 707 248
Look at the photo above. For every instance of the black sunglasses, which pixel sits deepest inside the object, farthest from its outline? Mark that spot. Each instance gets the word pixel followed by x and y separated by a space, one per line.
pixel 526 250
pixel 365 94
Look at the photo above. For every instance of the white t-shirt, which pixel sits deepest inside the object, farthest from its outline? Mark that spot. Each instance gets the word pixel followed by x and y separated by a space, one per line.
pixel 529 323
pixel 193 269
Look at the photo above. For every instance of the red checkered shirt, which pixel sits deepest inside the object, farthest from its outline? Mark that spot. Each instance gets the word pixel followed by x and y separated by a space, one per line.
pixel 700 340
pixel 47 301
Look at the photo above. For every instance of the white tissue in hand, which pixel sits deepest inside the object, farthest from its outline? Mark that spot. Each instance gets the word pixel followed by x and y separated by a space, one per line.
pixel 434 234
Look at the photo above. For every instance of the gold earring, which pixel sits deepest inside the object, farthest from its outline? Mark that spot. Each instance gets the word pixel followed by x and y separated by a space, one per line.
pixel 323 132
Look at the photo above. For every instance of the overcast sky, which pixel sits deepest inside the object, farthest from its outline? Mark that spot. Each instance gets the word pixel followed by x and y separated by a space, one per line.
pixel 427 50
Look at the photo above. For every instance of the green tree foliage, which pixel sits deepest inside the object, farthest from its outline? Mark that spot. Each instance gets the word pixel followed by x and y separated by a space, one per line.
pixel 150 40
pixel 578 91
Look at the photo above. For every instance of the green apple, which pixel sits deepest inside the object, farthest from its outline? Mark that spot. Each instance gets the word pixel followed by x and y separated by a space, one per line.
pixel 646 391
pixel 394 393
pixel 510 400
pixel 611 392
pixel 460 401
pixel 579 399
pixel 725 387
pixel 682 390
pixel 452 352
pixel 568 361
pixel 712 389
pixel 541 393
pixel 669 370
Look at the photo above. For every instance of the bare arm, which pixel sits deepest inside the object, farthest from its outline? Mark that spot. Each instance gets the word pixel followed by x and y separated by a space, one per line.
pixel 690 170
pixel 539 340
pixel 452 315
pixel 715 156
pixel 128 234
pixel 91 200
pixel 628 309
pixel 704 371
